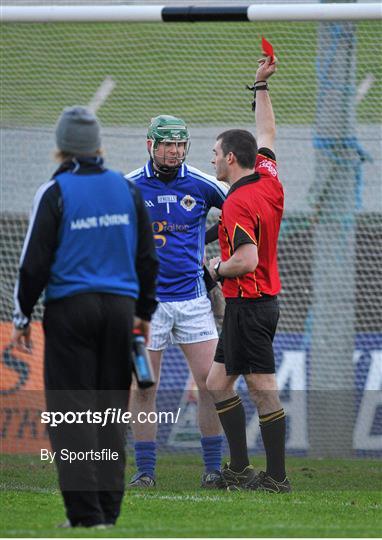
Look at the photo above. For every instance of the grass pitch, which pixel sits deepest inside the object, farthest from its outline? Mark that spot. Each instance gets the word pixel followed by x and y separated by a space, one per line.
pixel 331 498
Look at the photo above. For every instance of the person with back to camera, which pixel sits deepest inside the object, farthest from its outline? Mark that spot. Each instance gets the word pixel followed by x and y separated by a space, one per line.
pixel 89 245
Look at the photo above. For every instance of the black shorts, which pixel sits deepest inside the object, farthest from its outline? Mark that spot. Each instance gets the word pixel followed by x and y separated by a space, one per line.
pixel 245 344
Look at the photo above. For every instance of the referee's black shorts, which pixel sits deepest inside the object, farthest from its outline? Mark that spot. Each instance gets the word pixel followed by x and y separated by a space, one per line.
pixel 245 344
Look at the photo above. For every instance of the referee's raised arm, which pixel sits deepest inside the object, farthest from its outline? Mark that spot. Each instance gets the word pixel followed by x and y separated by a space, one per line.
pixel 265 118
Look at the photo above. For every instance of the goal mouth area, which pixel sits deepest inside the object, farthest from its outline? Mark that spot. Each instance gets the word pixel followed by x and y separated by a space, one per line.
pixel 328 114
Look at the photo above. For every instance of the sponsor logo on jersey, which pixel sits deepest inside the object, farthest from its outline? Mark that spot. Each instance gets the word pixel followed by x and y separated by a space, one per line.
pixel 265 164
pixel 149 204
pixel 160 228
pixel 167 199
pixel 188 203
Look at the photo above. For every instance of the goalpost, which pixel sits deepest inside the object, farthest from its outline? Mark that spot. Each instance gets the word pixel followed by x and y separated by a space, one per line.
pixel 153 13
pixel 327 101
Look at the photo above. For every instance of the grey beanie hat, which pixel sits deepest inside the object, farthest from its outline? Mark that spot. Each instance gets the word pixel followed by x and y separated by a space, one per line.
pixel 78 131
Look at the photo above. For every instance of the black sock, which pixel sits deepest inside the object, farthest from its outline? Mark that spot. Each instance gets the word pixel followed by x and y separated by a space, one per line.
pixel 232 417
pixel 273 433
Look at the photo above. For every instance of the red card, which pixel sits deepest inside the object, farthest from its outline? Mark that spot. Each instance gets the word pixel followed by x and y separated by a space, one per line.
pixel 267 49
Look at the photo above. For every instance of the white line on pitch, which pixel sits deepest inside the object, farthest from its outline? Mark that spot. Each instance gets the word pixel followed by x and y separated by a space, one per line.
pixel 192 498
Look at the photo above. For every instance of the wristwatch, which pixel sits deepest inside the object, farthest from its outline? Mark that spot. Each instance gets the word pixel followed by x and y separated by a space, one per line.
pixel 216 270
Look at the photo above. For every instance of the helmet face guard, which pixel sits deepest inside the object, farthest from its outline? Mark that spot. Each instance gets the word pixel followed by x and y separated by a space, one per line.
pixel 168 130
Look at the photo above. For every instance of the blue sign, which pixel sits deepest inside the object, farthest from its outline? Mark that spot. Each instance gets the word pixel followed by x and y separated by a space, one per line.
pixel 177 389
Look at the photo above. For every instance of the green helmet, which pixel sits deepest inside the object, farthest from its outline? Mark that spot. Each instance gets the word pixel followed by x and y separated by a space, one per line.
pixel 166 128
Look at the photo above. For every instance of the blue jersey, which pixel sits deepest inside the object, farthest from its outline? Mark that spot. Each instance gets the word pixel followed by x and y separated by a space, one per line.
pixel 178 211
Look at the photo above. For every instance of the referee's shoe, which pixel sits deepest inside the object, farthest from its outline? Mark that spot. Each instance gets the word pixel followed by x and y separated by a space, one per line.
pixel 265 482
pixel 235 481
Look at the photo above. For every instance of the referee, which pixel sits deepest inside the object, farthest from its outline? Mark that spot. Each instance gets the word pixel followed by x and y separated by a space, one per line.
pixel 248 235
pixel 89 245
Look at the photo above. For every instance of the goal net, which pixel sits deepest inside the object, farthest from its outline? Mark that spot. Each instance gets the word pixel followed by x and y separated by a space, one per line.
pixel 327 100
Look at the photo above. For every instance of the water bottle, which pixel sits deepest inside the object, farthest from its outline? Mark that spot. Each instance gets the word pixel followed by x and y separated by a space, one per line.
pixel 142 363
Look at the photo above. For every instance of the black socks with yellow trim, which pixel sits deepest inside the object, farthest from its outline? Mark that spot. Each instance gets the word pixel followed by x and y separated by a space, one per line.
pixel 273 427
pixel 232 417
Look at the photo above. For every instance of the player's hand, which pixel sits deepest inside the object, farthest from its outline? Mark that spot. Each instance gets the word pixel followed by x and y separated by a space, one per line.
pixel 266 69
pixel 211 270
pixel 21 339
pixel 144 328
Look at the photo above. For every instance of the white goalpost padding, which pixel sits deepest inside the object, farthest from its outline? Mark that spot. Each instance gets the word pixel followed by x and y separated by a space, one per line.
pixel 315 12
pixel 154 13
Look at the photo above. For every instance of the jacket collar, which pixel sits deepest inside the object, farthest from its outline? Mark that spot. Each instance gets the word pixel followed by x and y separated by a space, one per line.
pixel 250 179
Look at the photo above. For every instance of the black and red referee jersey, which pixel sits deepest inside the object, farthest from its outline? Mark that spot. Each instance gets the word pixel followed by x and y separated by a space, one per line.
pixel 252 213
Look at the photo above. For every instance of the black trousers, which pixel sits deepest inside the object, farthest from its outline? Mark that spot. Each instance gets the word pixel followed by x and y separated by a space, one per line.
pixel 88 340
